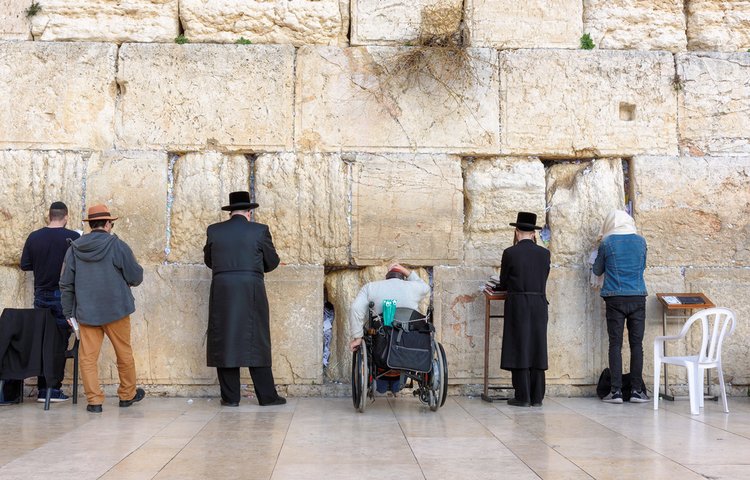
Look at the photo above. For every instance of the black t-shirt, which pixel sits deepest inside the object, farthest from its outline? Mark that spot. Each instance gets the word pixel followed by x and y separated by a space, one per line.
pixel 44 252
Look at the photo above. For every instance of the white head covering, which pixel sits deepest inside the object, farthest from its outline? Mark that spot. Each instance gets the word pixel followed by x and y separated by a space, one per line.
pixel 618 222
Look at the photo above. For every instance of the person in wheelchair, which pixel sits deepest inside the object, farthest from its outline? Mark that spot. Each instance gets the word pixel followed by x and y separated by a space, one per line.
pixel 402 285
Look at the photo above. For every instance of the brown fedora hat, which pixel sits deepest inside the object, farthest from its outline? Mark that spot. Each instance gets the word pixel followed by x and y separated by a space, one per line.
pixel 99 212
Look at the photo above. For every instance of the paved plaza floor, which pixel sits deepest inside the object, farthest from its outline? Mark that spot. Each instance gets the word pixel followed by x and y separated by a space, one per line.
pixel 324 438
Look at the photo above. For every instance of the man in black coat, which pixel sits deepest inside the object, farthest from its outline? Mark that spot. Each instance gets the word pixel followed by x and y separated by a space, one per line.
pixel 239 252
pixel 523 274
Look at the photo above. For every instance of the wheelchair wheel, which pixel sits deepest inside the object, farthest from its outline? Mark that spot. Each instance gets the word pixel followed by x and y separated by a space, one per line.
pixel 438 387
pixel 360 377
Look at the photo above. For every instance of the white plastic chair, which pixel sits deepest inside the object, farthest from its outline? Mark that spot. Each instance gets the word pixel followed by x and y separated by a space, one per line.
pixel 717 324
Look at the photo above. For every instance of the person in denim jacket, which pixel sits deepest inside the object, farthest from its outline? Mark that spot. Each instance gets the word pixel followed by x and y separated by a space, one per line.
pixel 621 258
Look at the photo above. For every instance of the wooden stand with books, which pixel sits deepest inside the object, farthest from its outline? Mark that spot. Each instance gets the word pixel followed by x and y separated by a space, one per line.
pixel 671 304
pixel 490 296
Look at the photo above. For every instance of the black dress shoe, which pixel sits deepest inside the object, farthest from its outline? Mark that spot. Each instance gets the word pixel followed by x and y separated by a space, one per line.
pixel 278 401
pixel 94 408
pixel 517 403
pixel 536 404
pixel 139 394
pixel 224 403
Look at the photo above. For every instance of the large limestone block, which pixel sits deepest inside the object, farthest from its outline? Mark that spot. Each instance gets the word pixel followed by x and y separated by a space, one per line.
pixel 235 97
pixel 295 297
pixel 14 24
pixel 305 200
pixel 202 183
pixel 722 26
pixel 636 24
pixel 172 313
pixel 495 189
pixel 16 288
pixel 584 104
pixel 574 329
pixel 407 208
pixel 727 287
pixel 694 211
pixel 459 317
pixel 57 95
pixel 580 195
pixel 392 99
pixel 530 24
pixel 714 99
pixel 341 288
pixel 107 21
pixel 134 186
pixel 298 22
pixel 397 21
pixel 30 181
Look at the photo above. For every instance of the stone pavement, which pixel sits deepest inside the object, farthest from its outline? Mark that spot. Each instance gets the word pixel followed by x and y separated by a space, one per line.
pixel 311 438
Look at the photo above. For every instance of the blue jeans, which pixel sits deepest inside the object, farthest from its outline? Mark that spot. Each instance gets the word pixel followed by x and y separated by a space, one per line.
pixel 382 385
pixel 619 312
pixel 51 299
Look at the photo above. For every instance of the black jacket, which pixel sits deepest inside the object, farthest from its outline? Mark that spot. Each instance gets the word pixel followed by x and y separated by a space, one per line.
pixel 29 339
pixel 239 253
pixel 523 273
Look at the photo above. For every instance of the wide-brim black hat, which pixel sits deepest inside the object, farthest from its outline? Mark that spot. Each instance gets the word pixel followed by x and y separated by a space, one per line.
pixel 526 221
pixel 239 201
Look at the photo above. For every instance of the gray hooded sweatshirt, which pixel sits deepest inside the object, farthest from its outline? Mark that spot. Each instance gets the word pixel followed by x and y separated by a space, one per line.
pixel 97 274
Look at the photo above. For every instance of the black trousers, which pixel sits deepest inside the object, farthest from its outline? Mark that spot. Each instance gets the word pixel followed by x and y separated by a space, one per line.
pixel 622 311
pixel 529 384
pixel 229 381
pixel 51 300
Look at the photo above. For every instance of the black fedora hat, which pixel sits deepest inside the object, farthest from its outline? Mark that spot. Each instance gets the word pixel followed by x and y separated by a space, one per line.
pixel 526 221
pixel 239 201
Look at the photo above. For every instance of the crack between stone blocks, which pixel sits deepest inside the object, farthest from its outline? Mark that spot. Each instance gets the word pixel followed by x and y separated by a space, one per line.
pixel 294 98
pixel 119 92
pixel 350 207
pixel 252 170
pixel 171 161
pixel 84 183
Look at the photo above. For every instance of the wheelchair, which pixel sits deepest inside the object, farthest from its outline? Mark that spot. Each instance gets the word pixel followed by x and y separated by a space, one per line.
pixel 407 347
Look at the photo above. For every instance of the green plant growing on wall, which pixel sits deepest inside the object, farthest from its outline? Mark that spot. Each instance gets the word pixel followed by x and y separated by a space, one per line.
pixel 33 9
pixel 586 42
pixel 677 83
pixel 181 40
pixel 243 41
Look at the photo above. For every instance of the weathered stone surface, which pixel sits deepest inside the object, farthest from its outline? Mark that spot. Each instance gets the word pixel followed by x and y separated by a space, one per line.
pixel 298 22
pixel 723 26
pixel 305 200
pixel 30 182
pixel 57 95
pixel 636 24
pixel 407 208
pixel 379 22
pixel 495 189
pixel 584 104
pixel 106 21
pixel 14 24
pixel 658 280
pixel 235 97
pixel 391 99
pixel 727 287
pixel 694 211
pixel 575 329
pixel 341 288
pixel 714 99
pixel 202 183
pixel 16 288
pixel 295 297
pixel 579 198
pixel 529 24
pixel 459 320
pixel 134 186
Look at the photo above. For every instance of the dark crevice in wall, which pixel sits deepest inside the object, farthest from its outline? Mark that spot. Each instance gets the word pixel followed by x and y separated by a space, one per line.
pixel 628 185
pixel 251 159
pixel 172 158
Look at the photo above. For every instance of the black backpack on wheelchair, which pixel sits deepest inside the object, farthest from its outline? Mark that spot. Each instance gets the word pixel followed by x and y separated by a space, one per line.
pixel 407 344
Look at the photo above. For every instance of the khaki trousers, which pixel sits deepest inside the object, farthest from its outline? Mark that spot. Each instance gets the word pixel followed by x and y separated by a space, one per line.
pixel 92 337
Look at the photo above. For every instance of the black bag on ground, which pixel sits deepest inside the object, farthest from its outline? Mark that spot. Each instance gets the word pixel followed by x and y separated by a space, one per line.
pixel 410 342
pixel 604 385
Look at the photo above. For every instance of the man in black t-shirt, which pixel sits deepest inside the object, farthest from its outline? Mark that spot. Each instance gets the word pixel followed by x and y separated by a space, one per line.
pixel 43 253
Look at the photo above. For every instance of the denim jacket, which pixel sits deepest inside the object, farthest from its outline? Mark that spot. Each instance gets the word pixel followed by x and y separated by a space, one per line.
pixel 623 259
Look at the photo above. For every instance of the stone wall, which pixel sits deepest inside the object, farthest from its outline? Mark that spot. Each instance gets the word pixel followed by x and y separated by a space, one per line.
pixel 377 131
